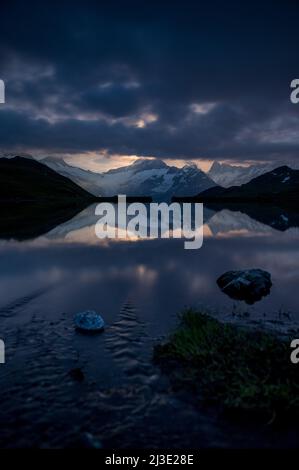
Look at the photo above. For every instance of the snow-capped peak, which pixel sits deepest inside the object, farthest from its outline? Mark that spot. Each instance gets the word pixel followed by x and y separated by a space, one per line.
pixel 145 176
pixel 148 163
pixel 232 175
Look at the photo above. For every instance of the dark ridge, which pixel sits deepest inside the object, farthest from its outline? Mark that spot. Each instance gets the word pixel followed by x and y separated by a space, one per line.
pixel 27 180
pixel 280 185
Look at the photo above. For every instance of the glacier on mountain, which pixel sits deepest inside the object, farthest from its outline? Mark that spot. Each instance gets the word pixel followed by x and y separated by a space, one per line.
pixel 150 177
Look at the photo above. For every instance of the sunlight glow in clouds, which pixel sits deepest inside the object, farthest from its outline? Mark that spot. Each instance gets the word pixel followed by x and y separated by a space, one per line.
pixel 202 108
pixel 121 84
pixel 145 119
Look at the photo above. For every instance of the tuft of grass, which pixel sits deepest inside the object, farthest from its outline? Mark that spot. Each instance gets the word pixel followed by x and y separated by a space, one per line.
pixel 238 370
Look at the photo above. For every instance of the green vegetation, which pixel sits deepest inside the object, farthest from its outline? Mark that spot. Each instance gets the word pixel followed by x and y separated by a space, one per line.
pixel 238 370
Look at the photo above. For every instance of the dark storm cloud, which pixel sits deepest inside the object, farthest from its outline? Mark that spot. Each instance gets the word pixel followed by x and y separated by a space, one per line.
pixel 84 76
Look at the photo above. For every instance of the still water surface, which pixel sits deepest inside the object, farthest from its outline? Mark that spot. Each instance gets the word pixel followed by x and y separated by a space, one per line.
pixel 138 287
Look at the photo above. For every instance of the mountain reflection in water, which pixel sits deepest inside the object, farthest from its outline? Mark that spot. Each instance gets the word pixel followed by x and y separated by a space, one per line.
pixel 155 268
pixel 138 287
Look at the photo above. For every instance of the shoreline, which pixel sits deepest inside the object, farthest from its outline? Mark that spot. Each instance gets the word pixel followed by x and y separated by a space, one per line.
pixel 244 374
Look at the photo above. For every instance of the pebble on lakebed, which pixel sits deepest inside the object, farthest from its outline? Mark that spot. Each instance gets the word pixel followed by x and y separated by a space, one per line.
pixel 89 321
pixel 249 285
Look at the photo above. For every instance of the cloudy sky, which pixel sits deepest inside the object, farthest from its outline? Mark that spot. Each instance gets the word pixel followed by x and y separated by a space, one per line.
pixel 105 81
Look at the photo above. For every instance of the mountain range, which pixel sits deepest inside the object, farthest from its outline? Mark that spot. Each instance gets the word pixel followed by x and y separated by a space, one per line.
pixel 25 177
pixel 88 180
pixel 143 177
pixel 155 178
pixel 280 185
pixel 227 175
pixel 48 198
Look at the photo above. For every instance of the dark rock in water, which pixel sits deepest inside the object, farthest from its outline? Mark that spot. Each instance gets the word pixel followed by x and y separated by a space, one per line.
pixel 77 374
pixel 89 321
pixel 249 285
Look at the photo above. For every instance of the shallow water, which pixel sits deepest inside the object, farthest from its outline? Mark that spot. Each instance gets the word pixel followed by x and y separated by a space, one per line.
pixel 138 287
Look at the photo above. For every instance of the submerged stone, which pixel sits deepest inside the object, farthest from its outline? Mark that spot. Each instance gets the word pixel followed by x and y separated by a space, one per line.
pixel 89 321
pixel 249 285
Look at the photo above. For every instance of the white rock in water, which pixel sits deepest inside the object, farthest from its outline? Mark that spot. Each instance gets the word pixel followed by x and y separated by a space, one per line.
pixel 89 321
